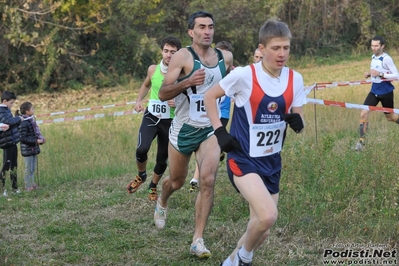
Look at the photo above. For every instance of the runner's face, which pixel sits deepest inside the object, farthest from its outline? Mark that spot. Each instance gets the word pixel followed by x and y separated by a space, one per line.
pixel 257 56
pixel 203 32
pixel 167 52
pixel 376 47
pixel 276 52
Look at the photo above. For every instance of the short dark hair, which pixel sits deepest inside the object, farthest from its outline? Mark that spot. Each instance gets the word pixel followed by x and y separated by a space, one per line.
pixel 198 14
pixel 224 45
pixel 171 40
pixel 379 38
pixel 26 106
pixel 8 95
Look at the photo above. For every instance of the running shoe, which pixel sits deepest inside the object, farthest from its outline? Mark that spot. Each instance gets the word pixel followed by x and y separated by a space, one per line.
pixel 160 216
pixel 134 185
pixel 198 249
pixel 193 186
pixel 152 194
pixel 359 146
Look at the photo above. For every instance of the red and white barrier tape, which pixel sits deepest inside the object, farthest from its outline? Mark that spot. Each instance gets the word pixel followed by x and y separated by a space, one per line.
pixel 85 117
pixel 352 105
pixel 308 89
pixel 321 85
pixel 308 100
pixel 86 109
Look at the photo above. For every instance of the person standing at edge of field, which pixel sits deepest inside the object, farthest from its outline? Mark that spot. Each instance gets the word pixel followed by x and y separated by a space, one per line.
pixel 192 71
pixel 267 96
pixel 257 57
pixel 8 141
pixel 382 67
pixel 225 116
pixel 156 121
pixel 31 138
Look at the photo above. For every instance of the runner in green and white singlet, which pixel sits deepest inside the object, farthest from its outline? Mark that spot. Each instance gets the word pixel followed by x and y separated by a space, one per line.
pixel 192 71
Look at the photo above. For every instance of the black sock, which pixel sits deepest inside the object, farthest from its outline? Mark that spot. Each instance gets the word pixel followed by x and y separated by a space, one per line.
pixel 152 185
pixel 143 176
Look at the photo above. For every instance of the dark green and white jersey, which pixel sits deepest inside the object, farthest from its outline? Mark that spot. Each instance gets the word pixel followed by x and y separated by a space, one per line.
pixel 190 107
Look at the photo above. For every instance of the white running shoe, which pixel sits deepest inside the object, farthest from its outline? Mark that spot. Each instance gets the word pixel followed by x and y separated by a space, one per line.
pixel 198 249
pixel 193 185
pixel 160 216
pixel 359 146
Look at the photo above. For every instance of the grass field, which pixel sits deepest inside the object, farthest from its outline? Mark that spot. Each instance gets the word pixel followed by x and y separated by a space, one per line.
pixel 331 196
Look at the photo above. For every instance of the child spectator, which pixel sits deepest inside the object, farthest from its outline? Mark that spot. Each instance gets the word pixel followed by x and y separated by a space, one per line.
pixel 31 138
pixel 8 141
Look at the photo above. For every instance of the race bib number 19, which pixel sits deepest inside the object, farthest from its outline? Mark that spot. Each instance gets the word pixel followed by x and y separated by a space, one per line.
pixel 197 108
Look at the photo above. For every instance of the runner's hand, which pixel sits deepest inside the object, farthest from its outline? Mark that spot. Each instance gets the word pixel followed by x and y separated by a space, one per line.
pixel 295 121
pixel 171 103
pixel 226 141
pixel 198 77
pixel 139 106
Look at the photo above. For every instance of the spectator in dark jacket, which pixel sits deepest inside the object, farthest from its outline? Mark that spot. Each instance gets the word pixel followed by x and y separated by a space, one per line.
pixel 31 138
pixel 8 141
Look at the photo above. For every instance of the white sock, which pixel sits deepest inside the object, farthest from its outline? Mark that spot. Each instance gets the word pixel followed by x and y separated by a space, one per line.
pixel 194 180
pixel 245 255
pixel 227 262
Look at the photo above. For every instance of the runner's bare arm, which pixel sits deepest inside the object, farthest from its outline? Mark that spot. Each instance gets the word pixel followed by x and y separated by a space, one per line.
pixel 145 88
pixel 297 110
pixel 211 107
pixel 180 65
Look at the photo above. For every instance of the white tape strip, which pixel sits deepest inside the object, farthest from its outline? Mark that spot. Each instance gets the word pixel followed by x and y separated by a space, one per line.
pixel 352 105
pixel 86 109
pixel 85 117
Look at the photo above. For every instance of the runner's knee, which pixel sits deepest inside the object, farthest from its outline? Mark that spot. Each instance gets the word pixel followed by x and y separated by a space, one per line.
pixel 207 181
pixel 177 183
pixel 141 155
pixel 267 219
pixel 392 117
